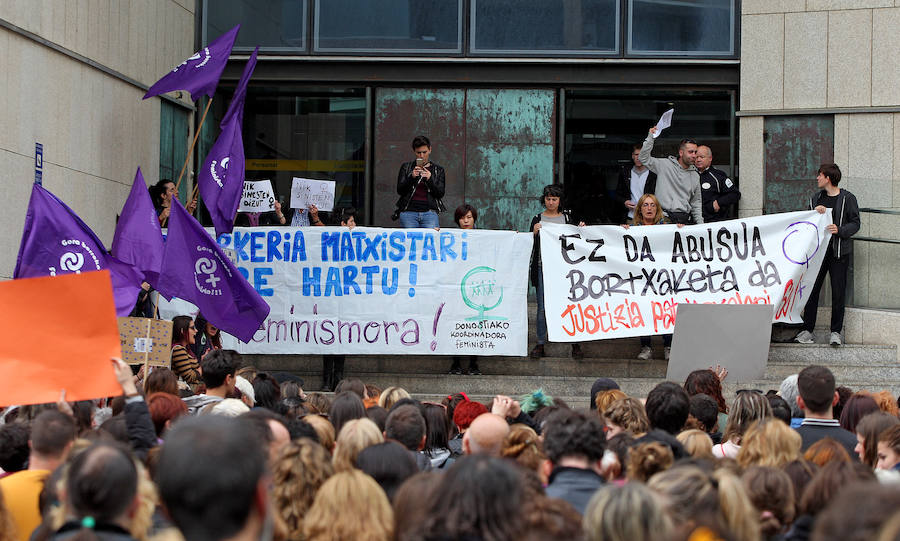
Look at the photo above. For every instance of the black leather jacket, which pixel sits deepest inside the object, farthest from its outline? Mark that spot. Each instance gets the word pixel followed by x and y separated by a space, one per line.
pixel 406 185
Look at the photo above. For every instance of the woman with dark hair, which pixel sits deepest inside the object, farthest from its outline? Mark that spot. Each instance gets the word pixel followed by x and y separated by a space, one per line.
pixel 857 406
pixel 267 393
pixel 465 217
pixel 101 493
pixel 867 431
pixel 209 337
pixel 184 363
pixel 707 382
pixel 437 432
pixel 162 194
pixel 345 407
pixel 389 463
pixel 161 380
pixel 480 497
pixel 552 200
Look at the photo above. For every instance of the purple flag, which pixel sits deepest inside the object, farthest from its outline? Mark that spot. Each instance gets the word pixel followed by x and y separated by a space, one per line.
pixel 200 73
pixel 138 240
pixel 195 269
pixel 221 179
pixel 56 241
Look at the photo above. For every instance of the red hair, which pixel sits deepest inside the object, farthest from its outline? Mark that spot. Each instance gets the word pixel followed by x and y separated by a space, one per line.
pixel 466 412
pixel 164 407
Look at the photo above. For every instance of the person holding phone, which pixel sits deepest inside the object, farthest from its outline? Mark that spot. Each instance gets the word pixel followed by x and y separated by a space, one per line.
pixel 420 184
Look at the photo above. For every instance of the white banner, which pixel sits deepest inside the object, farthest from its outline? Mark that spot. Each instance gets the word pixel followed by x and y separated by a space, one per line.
pixel 257 196
pixel 609 282
pixel 334 290
pixel 306 192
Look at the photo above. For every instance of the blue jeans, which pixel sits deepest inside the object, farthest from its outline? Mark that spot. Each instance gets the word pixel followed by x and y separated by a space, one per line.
pixel 541 316
pixel 410 219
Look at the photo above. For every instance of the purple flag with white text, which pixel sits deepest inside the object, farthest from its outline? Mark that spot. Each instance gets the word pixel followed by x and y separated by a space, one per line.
pixel 55 241
pixel 221 179
pixel 138 240
pixel 200 73
pixel 197 270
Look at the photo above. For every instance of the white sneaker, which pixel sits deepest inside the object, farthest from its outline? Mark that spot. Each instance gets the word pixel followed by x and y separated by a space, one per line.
pixel 645 353
pixel 805 337
pixel 836 339
pixel 666 352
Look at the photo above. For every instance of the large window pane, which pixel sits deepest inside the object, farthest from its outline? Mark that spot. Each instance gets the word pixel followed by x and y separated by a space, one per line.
pixel 310 133
pixel 271 24
pixel 681 27
pixel 558 26
pixel 388 25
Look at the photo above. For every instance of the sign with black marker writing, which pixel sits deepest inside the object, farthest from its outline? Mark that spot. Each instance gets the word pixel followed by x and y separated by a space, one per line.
pixel 257 196
pixel 307 191
pixel 611 282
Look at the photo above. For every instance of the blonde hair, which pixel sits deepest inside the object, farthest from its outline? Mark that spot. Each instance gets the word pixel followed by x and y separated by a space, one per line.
pixel 631 512
pixel 350 505
pixel 748 406
pixel 606 398
pixel 324 430
pixel 302 467
pixel 647 459
pixel 391 396
pixel 628 413
pixel 769 442
pixel 696 442
pixel 523 445
pixel 638 217
pixel 356 435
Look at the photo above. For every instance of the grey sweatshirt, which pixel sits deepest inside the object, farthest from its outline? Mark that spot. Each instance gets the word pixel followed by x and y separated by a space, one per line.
pixel 677 188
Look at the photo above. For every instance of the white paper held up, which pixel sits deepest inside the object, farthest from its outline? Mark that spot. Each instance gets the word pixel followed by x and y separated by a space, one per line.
pixel 664 122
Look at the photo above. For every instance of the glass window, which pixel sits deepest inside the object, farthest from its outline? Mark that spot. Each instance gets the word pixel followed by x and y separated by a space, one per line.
pixel 681 27
pixel 388 25
pixel 271 24
pixel 309 133
pixel 558 26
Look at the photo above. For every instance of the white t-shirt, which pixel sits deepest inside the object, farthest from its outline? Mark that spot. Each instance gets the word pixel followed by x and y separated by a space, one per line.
pixel 638 183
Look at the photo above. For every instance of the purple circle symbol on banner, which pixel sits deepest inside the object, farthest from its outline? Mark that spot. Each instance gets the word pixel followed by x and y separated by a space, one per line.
pixel 793 257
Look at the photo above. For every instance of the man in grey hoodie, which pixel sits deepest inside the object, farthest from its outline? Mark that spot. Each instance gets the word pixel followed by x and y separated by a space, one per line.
pixel 677 181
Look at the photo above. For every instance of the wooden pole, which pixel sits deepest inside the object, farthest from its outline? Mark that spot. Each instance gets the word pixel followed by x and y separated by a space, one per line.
pixel 193 143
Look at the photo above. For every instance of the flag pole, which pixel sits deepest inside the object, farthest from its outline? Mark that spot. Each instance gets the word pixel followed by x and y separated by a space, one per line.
pixel 194 142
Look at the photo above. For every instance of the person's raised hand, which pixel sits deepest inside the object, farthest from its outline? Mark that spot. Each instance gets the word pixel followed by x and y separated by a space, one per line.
pixel 653 130
pixel 720 371
pixel 625 226
pixel 630 204
pixel 501 405
pixel 191 206
pixel 63 406
pixel 716 206
pixel 124 376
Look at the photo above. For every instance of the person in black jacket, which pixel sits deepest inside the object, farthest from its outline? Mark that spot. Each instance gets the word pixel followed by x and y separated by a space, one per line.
pixel 845 224
pixel 634 181
pixel 420 184
pixel 718 191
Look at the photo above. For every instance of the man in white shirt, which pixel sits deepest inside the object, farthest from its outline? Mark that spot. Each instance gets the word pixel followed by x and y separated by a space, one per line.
pixel 634 181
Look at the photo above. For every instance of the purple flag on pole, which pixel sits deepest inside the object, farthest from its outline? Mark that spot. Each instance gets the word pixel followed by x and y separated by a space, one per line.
pixel 195 269
pixel 138 240
pixel 200 73
pixel 56 241
pixel 221 179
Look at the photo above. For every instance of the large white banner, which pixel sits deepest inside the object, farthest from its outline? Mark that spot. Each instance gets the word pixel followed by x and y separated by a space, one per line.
pixel 609 282
pixel 334 290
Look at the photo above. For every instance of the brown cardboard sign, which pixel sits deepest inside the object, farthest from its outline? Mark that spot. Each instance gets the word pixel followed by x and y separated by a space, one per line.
pixel 146 341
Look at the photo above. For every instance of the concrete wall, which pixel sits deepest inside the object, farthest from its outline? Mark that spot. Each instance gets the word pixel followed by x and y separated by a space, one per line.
pixel 831 57
pixel 94 126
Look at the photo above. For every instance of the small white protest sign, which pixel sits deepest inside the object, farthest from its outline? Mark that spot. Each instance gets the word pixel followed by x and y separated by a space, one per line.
pixel 664 122
pixel 257 196
pixel 307 191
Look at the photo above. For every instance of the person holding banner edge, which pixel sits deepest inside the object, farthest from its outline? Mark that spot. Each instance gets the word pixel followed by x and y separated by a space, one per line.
pixel 465 217
pixel 552 199
pixel 845 224
pixel 649 212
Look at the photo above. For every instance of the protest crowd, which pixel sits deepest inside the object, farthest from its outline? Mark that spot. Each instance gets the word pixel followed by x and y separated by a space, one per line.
pixel 211 448
pixel 251 455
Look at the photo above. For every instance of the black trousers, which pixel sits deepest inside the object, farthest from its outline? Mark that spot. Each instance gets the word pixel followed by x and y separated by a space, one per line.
pixel 837 268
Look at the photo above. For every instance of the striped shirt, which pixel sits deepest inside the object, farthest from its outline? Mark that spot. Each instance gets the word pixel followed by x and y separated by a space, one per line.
pixel 185 365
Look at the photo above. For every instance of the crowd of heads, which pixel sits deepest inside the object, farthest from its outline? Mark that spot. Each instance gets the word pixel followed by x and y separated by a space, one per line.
pixel 269 461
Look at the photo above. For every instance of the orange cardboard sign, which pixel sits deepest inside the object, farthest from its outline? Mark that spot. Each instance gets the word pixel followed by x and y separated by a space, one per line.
pixel 57 333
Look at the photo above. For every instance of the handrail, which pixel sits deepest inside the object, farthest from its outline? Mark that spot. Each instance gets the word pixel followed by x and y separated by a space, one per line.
pixel 876 239
pixel 880 211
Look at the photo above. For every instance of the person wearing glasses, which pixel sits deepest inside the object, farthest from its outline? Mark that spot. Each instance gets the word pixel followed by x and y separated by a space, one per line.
pixel 635 180
pixel 184 363
pixel 677 180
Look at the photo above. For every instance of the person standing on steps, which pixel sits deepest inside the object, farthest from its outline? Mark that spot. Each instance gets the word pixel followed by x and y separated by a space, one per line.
pixel 465 217
pixel 845 224
pixel 420 184
pixel 552 199
pixel 634 181
pixel 677 181
pixel 649 212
